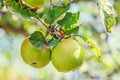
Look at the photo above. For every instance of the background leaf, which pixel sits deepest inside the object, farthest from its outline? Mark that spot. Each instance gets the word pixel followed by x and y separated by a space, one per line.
pixel 107 14
pixel 93 46
pixel 109 22
pixel 37 39
pixel 117 8
pixel 1 4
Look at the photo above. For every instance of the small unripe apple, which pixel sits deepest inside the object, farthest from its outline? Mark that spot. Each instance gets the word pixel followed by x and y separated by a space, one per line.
pixel 67 56
pixel 33 56
pixel 34 3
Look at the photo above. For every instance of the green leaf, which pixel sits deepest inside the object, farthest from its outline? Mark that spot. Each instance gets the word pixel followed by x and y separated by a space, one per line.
pixel 107 14
pixel 37 39
pixel 69 20
pixel 117 6
pixel 1 4
pixel 109 22
pixel 25 12
pixel 118 19
pixel 67 1
pixel 51 15
pixel 53 42
pixel 93 46
pixel 72 30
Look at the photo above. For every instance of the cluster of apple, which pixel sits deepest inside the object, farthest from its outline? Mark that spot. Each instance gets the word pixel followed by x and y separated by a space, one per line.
pixel 67 56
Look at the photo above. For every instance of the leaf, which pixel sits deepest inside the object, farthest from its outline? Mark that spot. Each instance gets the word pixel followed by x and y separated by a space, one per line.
pixel 53 42
pixel 118 19
pixel 107 14
pixel 37 39
pixel 69 20
pixel 1 4
pixel 25 12
pixel 72 30
pixel 117 6
pixel 67 1
pixel 51 15
pixel 94 47
pixel 109 22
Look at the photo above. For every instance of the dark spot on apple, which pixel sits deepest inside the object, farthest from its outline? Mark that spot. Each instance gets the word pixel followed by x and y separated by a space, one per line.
pixel 58 67
pixel 34 63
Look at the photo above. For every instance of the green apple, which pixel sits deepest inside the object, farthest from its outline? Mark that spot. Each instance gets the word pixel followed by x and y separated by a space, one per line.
pixel 67 56
pixel 34 3
pixel 34 57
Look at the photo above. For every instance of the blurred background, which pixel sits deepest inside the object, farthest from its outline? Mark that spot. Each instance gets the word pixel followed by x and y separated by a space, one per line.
pixel 14 29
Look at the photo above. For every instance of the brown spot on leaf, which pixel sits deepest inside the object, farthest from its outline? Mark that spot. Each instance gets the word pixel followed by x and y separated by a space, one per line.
pixel 38 35
pixel 16 0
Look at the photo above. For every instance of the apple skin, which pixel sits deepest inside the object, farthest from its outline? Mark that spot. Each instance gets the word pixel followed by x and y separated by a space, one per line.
pixel 34 57
pixel 67 56
pixel 34 3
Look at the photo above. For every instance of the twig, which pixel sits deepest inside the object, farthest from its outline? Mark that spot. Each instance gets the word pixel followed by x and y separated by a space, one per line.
pixel 51 4
pixel 43 23
pixel 77 35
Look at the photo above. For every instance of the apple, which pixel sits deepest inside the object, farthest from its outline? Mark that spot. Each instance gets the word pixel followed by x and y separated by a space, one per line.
pixel 34 3
pixel 33 56
pixel 68 55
